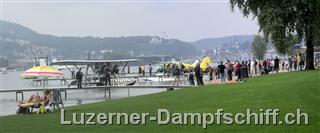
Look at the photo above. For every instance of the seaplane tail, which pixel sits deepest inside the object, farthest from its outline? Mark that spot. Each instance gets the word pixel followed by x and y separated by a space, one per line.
pixel 191 66
pixel 205 62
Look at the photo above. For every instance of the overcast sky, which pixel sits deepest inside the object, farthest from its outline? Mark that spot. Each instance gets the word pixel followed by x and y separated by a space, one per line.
pixel 188 21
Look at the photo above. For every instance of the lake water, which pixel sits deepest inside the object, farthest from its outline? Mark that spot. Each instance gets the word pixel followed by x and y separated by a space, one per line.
pixel 11 80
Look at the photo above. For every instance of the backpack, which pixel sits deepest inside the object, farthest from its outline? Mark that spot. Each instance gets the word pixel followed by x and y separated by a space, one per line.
pixel 191 76
pixel 177 71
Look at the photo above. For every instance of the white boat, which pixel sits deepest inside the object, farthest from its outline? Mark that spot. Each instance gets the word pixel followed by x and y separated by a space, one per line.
pixel 158 79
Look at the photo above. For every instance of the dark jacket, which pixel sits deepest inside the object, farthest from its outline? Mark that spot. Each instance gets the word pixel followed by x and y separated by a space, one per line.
pixel 79 75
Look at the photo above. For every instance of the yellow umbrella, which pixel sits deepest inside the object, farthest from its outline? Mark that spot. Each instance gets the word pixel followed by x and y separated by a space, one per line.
pixel 42 72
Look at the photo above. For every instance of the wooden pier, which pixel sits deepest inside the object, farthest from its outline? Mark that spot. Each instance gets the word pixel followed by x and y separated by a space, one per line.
pixel 105 88
pixel 119 78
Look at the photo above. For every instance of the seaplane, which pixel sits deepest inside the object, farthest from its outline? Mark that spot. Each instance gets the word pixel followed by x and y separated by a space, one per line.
pixel 204 63
pixel 94 70
pixel 164 68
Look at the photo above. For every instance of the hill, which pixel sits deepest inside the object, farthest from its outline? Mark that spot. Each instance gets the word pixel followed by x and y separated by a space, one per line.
pixel 20 42
pixel 243 42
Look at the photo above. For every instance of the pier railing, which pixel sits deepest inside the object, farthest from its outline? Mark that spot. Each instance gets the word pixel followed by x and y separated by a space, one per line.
pixel 107 89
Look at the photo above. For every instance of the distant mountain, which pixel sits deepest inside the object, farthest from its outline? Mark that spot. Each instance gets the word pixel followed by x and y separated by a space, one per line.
pixel 236 47
pixel 20 42
pixel 21 45
pixel 244 42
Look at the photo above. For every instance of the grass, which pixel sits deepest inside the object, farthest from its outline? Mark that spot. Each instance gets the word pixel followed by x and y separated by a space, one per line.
pixel 286 91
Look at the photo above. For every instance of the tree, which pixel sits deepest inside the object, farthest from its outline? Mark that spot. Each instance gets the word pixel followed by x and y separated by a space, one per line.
pixel 294 40
pixel 259 47
pixel 279 20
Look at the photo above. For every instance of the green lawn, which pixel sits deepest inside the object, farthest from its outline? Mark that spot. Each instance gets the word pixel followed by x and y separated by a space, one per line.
pixel 287 92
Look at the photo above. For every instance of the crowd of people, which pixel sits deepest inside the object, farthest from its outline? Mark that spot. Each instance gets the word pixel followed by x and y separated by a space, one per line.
pixel 142 71
pixel 238 70
pixel 227 71
pixel 231 71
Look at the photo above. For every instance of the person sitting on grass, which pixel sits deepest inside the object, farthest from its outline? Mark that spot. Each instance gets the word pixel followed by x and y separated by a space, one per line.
pixel 36 101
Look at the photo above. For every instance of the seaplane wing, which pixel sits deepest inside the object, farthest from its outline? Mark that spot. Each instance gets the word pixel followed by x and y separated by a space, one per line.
pixel 91 62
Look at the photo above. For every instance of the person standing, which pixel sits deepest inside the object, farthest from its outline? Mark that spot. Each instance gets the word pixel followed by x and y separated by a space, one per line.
pixel 73 74
pixel 197 71
pixel 143 70
pixel 301 62
pixel 229 70
pixel 256 66
pixel 243 73
pixel 210 70
pixel 115 70
pixel 172 68
pixel 264 67
pixel 140 71
pixel 252 67
pixel 290 62
pixel 201 77
pixel 283 65
pixel 272 65
pixel 276 64
pixel 237 70
pixel 259 67
pixel 248 66
pixel 128 69
pixel 216 72
pixel 79 77
pixel 168 69
pixel 221 68
pixel 107 76
pixel 150 69
pixel 295 64
pixel 176 73
pixel 191 77
pixel 268 65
